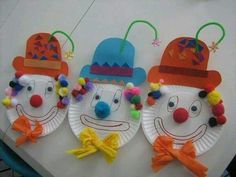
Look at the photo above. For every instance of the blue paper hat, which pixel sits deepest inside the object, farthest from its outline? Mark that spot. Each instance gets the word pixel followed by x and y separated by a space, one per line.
pixel 113 62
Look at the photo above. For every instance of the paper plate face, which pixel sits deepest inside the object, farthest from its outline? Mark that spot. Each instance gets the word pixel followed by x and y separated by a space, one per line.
pixel 81 114
pixel 158 119
pixel 48 115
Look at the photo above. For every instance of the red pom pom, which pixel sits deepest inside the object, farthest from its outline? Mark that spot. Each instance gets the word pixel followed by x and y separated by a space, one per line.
pixel 60 105
pixel 180 115
pixel 209 87
pixel 86 79
pixel 151 101
pixel 218 110
pixel 83 91
pixel 74 93
pixel 138 106
pixel 221 119
pixel 18 74
pixel 36 101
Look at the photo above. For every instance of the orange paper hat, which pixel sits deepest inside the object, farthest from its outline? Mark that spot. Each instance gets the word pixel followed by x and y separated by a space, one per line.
pixel 43 56
pixel 184 62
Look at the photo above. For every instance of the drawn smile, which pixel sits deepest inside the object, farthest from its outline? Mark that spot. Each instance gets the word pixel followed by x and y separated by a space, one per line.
pixel 179 139
pixel 106 125
pixel 42 119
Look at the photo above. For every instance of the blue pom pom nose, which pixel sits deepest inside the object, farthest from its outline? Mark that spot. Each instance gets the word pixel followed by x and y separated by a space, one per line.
pixel 102 109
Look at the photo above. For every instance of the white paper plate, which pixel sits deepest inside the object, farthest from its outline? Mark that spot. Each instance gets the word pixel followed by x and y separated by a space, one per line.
pixel 81 114
pixel 158 120
pixel 47 114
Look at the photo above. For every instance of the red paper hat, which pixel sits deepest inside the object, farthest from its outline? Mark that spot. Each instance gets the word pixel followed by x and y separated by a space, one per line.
pixel 182 65
pixel 43 57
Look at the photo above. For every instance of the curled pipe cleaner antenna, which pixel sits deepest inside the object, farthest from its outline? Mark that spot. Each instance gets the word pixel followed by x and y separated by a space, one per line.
pixel 68 54
pixel 155 42
pixel 214 45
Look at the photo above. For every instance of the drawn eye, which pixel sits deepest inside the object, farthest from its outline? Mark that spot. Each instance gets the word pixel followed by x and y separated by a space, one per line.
pixel 96 98
pixel 115 104
pixel 49 88
pixel 30 88
pixel 195 108
pixel 172 103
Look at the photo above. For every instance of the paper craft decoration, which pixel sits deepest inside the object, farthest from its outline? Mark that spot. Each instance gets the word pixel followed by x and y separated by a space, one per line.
pixel 183 106
pixel 37 97
pixel 105 107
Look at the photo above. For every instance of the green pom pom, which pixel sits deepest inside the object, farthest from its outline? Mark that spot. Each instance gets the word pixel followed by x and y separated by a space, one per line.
pixel 135 99
pixel 135 114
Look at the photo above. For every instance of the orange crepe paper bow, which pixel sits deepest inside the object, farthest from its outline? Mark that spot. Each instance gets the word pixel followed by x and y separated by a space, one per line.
pixel 22 124
pixel 163 145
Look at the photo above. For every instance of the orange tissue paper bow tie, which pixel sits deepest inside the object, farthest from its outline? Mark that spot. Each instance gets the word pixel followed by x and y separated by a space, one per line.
pixel 163 145
pixel 91 143
pixel 22 124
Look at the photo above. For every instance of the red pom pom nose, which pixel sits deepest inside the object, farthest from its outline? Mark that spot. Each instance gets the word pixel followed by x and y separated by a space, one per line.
pixel 36 101
pixel 180 115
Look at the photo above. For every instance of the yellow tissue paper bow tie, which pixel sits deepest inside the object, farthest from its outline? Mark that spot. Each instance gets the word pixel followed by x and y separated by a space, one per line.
pixel 91 143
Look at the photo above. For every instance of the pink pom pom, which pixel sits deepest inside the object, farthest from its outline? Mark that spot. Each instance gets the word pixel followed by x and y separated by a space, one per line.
pixel 136 91
pixel 8 91
pixel 77 87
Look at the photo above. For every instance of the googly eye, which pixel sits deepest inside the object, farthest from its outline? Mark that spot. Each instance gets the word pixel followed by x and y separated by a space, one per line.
pixel 115 104
pixel 97 97
pixel 30 88
pixel 49 88
pixel 195 108
pixel 172 103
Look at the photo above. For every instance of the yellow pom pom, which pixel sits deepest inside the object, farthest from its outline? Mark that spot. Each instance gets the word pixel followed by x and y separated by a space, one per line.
pixel 63 91
pixel 155 86
pixel 213 97
pixel 57 86
pixel 6 101
pixel 81 81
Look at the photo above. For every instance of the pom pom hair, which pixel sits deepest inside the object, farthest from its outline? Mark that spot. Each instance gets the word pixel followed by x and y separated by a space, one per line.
pixel 132 95
pixel 62 91
pixel 81 88
pixel 214 99
pixel 21 80
pixel 157 90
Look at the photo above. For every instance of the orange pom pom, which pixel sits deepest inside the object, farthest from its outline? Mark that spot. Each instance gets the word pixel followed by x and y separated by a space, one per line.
pixel 151 101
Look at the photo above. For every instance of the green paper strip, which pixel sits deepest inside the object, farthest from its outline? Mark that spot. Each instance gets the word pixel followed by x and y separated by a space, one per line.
pixel 208 24
pixel 122 46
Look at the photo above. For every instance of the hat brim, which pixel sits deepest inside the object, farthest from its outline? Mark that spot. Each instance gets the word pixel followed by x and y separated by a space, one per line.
pixel 138 77
pixel 212 77
pixel 18 64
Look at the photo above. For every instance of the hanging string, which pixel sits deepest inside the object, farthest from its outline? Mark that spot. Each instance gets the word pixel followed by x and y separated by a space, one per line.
pixel 156 41
pixel 214 45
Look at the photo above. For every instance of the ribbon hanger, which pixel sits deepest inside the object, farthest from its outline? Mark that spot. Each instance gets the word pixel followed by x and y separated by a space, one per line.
pixel 214 45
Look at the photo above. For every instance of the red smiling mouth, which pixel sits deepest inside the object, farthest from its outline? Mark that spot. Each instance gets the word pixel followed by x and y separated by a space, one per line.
pixel 179 139
pixel 106 125
pixel 42 119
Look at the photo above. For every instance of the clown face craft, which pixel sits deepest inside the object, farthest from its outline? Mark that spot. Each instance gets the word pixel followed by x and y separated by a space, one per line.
pixel 106 115
pixel 183 111
pixel 36 99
